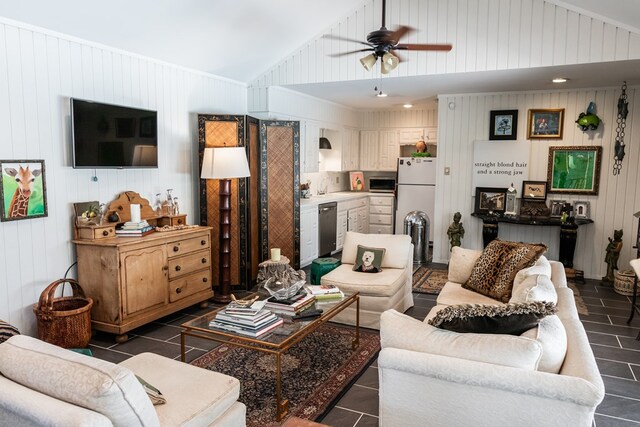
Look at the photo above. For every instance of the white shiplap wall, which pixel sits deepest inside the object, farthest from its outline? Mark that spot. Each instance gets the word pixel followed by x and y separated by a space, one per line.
pixel 486 35
pixel 406 118
pixel 39 72
pixel 464 119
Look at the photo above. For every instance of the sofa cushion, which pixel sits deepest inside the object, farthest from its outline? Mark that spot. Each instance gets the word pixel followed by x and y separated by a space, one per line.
pixel 398 248
pixel 512 319
pixel 461 263
pixel 368 259
pixel 550 333
pixel 195 396
pixel 454 294
pixel 542 266
pixel 534 288
pixel 92 383
pixel 7 331
pixel 401 331
pixel 493 273
pixel 386 283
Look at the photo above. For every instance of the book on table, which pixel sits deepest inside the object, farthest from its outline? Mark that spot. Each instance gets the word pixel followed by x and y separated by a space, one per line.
pixel 292 305
pixel 263 318
pixel 322 289
pixel 135 233
pixel 330 297
pixel 245 330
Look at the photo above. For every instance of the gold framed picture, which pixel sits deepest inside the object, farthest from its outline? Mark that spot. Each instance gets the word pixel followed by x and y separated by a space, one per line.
pixel 545 123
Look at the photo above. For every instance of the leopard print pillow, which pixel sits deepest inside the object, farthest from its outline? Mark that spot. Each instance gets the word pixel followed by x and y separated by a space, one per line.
pixel 493 273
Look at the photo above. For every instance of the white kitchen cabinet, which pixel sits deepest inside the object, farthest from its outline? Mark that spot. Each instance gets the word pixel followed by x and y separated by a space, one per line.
pixel 388 151
pixel 363 219
pixel 309 147
pixel 308 234
pixel 411 136
pixel 350 150
pixel 341 228
pixel 381 214
pixel 369 149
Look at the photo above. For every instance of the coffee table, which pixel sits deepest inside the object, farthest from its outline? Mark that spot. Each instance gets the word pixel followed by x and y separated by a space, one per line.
pixel 276 342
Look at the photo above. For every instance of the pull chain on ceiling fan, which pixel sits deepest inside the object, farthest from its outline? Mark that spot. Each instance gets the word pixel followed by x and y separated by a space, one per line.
pixel 384 44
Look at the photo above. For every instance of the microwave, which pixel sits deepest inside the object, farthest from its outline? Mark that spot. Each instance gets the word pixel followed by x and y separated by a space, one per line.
pixel 382 184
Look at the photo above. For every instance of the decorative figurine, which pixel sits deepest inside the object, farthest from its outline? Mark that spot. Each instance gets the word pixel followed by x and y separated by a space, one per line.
pixel 589 120
pixel 158 205
pixel 510 205
pixel 176 207
pixel 421 146
pixel 455 231
pixel 613 253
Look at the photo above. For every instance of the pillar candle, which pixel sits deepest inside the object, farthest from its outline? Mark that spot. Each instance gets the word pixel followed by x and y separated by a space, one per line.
pixel 275 254
pixel 135 213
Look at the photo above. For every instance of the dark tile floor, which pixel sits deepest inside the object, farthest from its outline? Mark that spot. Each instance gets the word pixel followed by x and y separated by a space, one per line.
pixel 612 340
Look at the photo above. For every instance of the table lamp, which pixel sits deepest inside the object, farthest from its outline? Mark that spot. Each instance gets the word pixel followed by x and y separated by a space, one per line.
pixel 224 163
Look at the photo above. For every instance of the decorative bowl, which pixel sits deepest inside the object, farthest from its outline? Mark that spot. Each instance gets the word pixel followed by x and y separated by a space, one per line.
pixel 282 290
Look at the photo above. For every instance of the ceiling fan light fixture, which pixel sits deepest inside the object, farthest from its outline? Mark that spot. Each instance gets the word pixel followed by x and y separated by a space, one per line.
pixel 369 61
pixel 389 62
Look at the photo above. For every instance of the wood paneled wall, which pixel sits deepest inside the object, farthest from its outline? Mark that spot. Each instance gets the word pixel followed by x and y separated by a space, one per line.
pixel 464 119
pixel 486 34
pixel 412 118
pixel 39 72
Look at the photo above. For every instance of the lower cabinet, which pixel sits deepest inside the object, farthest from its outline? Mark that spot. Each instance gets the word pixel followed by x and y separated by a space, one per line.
pixel 308 234
pixel 135 280
pixel 381 214
pixel 341 228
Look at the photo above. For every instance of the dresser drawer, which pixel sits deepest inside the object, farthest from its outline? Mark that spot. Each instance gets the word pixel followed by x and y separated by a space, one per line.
pixel 182 247
pixel 381 201
pixel 379 219
pixel 383 210
pixel 380 229
pixel 180 266
pixel 189 285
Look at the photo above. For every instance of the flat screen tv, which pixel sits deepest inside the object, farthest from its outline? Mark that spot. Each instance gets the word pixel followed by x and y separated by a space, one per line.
pixel 113 136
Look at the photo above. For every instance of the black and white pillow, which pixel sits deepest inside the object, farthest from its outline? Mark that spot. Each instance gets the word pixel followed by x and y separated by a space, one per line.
pixel 7 331
pixel 369 260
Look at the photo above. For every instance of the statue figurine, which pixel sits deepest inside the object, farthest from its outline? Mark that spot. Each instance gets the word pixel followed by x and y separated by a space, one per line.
pixel 455 231
pixel 613 253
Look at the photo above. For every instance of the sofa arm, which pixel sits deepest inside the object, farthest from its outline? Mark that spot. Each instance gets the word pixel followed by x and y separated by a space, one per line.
pixel 449 391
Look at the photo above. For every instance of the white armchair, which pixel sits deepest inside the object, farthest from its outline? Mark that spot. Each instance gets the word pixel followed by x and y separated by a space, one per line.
pixel 388 289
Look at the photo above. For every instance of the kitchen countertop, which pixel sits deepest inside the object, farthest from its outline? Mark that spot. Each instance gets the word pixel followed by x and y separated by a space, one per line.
pixel 339 196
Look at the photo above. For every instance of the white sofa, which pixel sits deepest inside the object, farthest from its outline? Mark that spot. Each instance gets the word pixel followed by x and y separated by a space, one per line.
pixel 387 289
pixel 432 377
pixel 45 385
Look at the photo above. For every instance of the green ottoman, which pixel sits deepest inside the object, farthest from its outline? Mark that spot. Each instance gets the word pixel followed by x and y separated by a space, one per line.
pixel 320 267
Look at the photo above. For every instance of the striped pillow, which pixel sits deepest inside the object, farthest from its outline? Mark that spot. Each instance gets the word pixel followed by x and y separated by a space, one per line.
pixel 7 331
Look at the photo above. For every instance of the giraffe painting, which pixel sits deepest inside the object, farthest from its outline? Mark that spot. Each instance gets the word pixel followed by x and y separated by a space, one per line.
pixel 22 194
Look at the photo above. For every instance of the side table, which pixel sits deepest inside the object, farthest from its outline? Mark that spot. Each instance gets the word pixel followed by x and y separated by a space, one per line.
pixel 280 270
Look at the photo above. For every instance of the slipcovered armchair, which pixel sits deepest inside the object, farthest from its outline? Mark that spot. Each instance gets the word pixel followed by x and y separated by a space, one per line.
pixel 387 289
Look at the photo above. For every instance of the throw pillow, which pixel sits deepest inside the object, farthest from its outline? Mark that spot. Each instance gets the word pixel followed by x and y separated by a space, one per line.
pixel 512 319
pixel 369 260
pixel 461 263
pixel 7 331
pixel 154 394
pixel 534 288
pixel 493 273
pixel 552 335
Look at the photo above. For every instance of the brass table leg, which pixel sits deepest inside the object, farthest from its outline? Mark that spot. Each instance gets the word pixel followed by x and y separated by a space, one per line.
pixel 356 342
pixel 282 405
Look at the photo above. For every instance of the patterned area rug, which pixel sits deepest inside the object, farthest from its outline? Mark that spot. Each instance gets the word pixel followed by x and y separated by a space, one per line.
pixel 315 372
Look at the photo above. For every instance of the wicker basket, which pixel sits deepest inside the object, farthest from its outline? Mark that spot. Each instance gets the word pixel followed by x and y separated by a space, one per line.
pixel 623 283
pixel 64 321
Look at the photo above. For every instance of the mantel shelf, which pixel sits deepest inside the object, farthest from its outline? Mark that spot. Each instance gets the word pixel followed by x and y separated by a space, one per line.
pixel 530 220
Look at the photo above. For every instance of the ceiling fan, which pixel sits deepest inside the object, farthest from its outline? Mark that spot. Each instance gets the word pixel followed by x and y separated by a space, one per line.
pixel 384 44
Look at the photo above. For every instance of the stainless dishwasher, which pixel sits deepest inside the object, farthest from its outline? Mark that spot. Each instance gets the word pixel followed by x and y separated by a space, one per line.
pixel 327 223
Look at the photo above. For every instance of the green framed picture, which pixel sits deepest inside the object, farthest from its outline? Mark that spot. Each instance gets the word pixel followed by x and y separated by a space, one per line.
pixel 574 170
pixel 22 189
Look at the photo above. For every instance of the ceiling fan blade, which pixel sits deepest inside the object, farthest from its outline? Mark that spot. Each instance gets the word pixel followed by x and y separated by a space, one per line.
pixel 411 46
pixel 345 39
pixel 400 32
pixel 337 55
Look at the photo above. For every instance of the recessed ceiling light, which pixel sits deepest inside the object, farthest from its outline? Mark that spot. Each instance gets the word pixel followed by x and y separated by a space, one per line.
pixel 408 105
pixel 381 94
pixel 559 80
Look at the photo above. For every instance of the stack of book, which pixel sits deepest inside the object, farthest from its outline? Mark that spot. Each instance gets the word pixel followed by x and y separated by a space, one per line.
pixel 291 306
pixel 325 292
pixel 252 321
pixel 134 229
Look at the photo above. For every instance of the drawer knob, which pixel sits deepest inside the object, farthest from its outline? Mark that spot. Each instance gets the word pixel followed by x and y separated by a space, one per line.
pixel 105 233
pixel 178 290
pixel 165 267
pixel 205 280
pixel 180 221
pixel 204 260
pixel 176 248
pixel 203 242
pixel 178 268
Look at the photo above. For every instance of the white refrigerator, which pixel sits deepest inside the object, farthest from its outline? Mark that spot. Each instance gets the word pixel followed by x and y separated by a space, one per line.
pixel 416 190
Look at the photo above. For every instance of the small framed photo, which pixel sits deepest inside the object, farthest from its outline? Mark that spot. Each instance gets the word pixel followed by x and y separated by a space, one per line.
pixel 490 200
pixel 582 209
pixel 545 124
pixel 22 189
pixel 574 170
pixel 503 125
pixel 534 190
pixel 356 181
pixel 557 207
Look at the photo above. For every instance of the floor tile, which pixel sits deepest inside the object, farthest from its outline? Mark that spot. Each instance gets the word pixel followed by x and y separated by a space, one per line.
pixel 102 339
pixel 369 378
pixel 594 317
pixel 418 312
pixel 615 369
pixel 616 354
pixel 622 388
pixel 636 370
pixel 617 304
pixel 603 421
pixel 340 417
pixel 139 345
pixel 192 354
pixel 625 331
pixel 603 339
pixel 360 399
pixel 608 310
pixel 592 300
pixel 108 355
pixel 194 342
pixel 158 331
pixel 620 407
pixel 367 421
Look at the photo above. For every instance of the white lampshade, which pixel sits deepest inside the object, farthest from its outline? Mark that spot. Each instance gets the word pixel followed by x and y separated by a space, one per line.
pixel 224 163
pixel 369 61
pixel 389 62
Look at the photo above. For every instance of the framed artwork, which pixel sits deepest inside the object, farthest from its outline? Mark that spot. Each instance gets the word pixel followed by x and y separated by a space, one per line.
pixel 582 209
pixel 545 124
pixel 22 189
pixel 534 190
pixel 125 127
pixel 574 170
pixel 356 180
pixel 503 125
pixel 557 207
pixel 490 200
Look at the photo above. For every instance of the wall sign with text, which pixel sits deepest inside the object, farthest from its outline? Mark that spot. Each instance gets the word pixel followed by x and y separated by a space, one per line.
pixel 499 164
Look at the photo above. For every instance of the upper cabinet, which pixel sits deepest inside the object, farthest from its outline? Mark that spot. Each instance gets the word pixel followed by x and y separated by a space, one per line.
pixel 350 149
pixel 379 150
pixel 309 147
pixel 369 150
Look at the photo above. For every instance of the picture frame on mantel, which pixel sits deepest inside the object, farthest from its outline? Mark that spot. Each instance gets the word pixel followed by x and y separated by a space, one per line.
pixel 503 125
pixel 23 190
pixel 574 170
pixel 490 200
pixel 545 123
pixel 534 191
